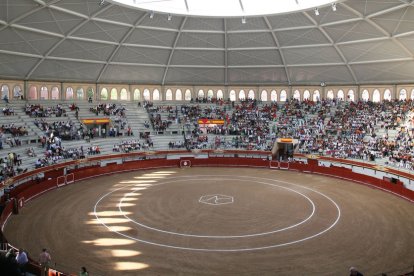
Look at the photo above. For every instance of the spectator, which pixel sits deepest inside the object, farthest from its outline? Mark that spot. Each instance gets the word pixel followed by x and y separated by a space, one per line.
pixel 83 272
pixel 22 261
pixel 44 261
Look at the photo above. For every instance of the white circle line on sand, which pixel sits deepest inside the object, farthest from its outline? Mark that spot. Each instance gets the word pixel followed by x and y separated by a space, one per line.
pixel 220 237
pixel 226 249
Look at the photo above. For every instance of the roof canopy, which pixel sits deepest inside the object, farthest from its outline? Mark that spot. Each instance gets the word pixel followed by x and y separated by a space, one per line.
pixel 363 41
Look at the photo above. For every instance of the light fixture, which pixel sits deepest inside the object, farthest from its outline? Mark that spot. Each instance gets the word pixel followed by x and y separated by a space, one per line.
pixel 243 20
pixel 151 15
pixel 101 3
pixel 316 11
pixel 334 6
pixel 169 17
pixel 323 84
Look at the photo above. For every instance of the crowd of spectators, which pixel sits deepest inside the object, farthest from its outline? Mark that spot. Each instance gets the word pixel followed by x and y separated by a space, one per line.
pixel 127 146
pixel 8 111
pixel 63 129
pixel 10 166
pixel 37 110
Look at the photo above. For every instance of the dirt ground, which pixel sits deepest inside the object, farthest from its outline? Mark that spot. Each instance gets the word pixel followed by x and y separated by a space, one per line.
pixel 217 221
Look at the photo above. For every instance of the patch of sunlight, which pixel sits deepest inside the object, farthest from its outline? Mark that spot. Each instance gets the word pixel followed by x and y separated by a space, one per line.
pixel 108 213
pixel 126 204
pixel 139 189
pixel 109 242
pixel 129 199
pixel 108 221
pixel 165 172
pixel 130 266
pixel 150 177
pixel 119 228
pixel 124 253
pixel 137 181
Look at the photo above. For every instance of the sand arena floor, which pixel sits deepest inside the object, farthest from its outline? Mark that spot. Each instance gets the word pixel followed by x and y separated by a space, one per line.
pixel 217 221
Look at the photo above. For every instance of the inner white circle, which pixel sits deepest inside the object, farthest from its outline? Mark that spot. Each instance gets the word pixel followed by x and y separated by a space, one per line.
pixel 227 249
pixel 218 236
pixel 226 8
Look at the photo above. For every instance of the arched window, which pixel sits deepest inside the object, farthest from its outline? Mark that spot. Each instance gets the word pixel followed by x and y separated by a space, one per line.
pixel 137 95
pixel 340 95
pixel 273 96
pixel 316 96
pixel 124 94
pixel 69 93
pixel 188 96
pixel 351 95
pixel 365 95
pixel 306 95
pixel 376 96
pixel 79 94
pixel 220 95
pixel 296 95
pixel 200 94
pixel 90 92
pixel 55 93
pixel 44 93
pixel 232 95
pixel 156 95
pixel 114 94
pixel 104 94
pixel 178 95
pixel 17 91
pixel 283 96
pixel 210 94
pixel 33 93
pixel 242 95
pixel 403 95
pixel 263 96
pixel 412 94
pixel 147 95
pixel 5 91
pixel 330 95
pixel 251 95
pixel 387 95
pixel 168 95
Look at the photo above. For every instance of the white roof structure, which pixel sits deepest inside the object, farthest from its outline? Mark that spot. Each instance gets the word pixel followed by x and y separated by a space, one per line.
pixel 362 42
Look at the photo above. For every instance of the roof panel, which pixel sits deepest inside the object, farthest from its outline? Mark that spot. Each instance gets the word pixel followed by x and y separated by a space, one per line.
pixel 201 40
pixel 195 75
pixel 152 37
pixel 142 55
pixel 15 66
pixel 121 14
pixel 318 74
pixel 252 23
pixel 289 20
pixel 256 39
pixel 254 57
pixel 102 31
pixel 256 75
pixel 205 24
pixel 161 21
pixel 372 51
pixel 385 72
pixel 132 74
pixel 10 10
pixel 83 50
pixel 194 57
pixel 301 37
pixel 312 55
pixel 360 30
pixel 26 42
pixel 366 7
pixel 51 20
pixel 85 7
pixel 69 70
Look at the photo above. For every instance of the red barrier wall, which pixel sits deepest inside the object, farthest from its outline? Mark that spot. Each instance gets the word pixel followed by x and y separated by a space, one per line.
pixel 33 188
